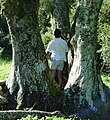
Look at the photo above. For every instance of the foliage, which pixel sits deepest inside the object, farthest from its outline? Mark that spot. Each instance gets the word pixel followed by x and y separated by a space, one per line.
pixel 72 7
pixel 46 38
pixel 5 66
pixel 4 69
pixel 44 15
pixel 104 32
pixel 50 6
pixel 106 79
pixel 29 117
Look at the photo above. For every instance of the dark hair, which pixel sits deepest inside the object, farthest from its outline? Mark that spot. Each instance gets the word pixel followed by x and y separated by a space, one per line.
pixel 57 33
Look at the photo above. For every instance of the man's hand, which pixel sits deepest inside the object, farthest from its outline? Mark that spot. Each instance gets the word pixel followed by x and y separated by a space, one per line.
pixel 48 54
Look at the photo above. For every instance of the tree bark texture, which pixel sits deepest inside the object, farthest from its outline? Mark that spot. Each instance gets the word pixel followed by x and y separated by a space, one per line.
pixel 84 89
pixel 28 76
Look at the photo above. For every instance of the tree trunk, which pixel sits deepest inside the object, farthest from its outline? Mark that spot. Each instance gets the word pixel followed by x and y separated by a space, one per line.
pixel 28 76
pixel 61 15
pixel 84 89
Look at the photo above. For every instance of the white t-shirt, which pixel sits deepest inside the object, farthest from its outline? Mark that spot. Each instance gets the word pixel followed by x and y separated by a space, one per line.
pixel 58 47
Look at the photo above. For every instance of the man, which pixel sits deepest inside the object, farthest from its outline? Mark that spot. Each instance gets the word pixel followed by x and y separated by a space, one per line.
pixel 57 50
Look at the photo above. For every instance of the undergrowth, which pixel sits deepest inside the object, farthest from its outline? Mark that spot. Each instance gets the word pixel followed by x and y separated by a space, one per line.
pixel 29 117
pixel 5 66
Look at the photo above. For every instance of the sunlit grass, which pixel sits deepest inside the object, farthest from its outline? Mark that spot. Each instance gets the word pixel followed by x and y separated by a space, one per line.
pixel 106 79
pixel 29 117
pixel 5 66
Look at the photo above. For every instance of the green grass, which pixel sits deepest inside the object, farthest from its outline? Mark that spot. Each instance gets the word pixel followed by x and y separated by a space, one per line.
pixel 5 66
pixel 29 117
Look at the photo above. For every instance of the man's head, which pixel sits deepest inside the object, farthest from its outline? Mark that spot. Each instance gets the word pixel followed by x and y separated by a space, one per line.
pixel 57 33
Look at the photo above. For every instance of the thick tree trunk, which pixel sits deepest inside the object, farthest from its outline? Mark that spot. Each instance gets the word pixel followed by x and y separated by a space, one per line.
pixel 28 78
pixel 85 88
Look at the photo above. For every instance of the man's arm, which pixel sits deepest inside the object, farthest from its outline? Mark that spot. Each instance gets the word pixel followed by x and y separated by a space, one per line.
pixel 49 49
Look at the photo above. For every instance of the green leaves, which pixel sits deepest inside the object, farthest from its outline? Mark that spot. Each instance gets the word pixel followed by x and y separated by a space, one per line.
pixel 104 32
pixel 29 117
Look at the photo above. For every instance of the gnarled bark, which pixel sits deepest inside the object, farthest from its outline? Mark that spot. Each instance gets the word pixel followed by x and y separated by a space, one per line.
pixel 84 89
pixel 28 77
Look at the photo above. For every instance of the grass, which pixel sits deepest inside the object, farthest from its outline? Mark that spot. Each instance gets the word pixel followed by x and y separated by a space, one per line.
pixel 5 66
pixel 29 117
